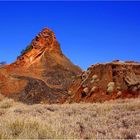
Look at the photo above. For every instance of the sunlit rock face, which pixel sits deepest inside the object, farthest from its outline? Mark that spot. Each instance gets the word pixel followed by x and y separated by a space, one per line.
pixel 44 42
pixel 107 81
pixel 42 73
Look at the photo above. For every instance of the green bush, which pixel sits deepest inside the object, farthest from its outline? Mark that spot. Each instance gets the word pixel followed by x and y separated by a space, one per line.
pixel 28 48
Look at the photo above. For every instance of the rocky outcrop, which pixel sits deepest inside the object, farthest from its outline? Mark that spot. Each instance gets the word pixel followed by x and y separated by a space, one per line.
pixel 41 74
pixel 107 81
pixel 44 42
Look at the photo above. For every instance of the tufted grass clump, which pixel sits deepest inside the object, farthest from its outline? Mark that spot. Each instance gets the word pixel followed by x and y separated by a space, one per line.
pixel 25 128
pixel 6 103
pixel 110 87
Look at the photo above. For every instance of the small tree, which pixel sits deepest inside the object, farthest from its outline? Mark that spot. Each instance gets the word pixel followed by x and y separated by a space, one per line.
pixel 28 48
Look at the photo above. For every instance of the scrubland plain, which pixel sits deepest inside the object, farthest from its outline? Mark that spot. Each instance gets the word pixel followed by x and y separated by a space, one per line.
pixel 112 119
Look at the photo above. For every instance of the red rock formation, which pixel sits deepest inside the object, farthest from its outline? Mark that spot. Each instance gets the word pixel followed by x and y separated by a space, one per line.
pixel 44 42
pixel 41 74
pixel 44 74
pixel 107 81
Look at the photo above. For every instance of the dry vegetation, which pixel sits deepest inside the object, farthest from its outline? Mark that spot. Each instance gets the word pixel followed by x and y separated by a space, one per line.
pixel 114 119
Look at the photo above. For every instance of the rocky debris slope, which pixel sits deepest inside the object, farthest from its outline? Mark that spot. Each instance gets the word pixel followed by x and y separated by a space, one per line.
pixel 41 74
pixel 106 81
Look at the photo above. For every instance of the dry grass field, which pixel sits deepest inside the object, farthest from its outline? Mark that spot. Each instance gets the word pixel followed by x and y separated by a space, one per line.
pixel 113 119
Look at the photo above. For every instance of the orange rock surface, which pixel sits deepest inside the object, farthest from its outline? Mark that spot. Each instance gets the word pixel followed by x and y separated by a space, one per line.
pixel 41 74
pixel 107 81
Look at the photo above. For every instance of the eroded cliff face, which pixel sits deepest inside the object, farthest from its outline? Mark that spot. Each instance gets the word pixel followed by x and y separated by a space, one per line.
pixel 41 74
pixel 106 81
pixel 44 42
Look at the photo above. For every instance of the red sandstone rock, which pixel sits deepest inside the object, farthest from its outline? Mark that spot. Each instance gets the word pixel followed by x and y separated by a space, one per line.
pixel 41 74
pixel 107 81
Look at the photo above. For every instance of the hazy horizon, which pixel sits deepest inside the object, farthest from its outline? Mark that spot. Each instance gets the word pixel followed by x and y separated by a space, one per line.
pixel 88 32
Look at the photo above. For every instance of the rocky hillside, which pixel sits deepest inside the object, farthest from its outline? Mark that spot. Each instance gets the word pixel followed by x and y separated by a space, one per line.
pixel 107 81
pixel 41 74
